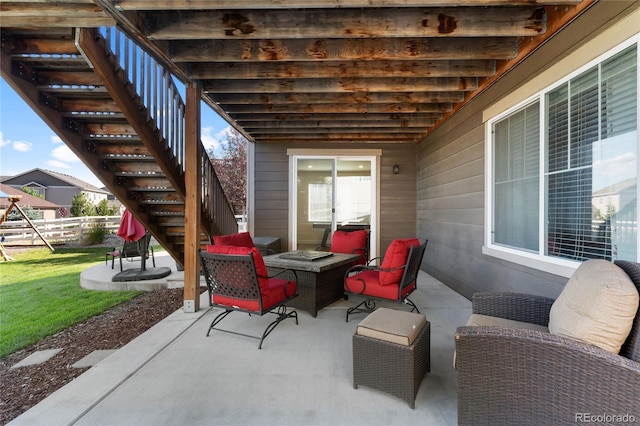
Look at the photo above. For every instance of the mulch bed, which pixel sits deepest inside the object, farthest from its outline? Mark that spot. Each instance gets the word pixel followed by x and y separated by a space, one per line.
pixel 22 388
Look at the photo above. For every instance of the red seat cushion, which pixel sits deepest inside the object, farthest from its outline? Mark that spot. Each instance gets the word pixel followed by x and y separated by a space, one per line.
pixel 396 256
pixel 277 290
pixel 368 283
pixel 241 239
pixel 353 242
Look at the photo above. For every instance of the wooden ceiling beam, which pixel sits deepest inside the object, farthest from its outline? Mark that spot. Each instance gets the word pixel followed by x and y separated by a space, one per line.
pixel 214 71
pixel 251 117
pixel 347 23
pixel 404 137
pixel 342 85
pixel 238 110
pixel 53 14
pixel 318 124
pixel 396 48
pixel 260 133
pixel 270 4
pixel 339 98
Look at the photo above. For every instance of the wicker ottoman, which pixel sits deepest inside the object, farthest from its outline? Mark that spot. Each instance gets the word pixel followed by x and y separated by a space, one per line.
pixel 391 352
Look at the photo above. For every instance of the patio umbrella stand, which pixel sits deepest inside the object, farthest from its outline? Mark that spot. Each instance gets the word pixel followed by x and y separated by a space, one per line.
pixel 141 274
pixel 132 230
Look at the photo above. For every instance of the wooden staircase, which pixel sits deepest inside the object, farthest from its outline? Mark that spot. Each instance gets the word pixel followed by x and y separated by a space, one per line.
pixel 122 114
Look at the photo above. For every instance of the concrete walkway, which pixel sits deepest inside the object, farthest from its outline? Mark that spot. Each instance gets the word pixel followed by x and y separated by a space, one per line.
pixel 174 375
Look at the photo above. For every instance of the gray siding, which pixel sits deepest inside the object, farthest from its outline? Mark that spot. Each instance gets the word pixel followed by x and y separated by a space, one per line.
pixel 450 177
pixel 397 192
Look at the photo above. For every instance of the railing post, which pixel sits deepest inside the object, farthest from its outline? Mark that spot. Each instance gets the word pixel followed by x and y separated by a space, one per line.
pixel 193 184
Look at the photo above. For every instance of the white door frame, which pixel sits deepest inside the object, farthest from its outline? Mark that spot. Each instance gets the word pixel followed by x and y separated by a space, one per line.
pixel 372 154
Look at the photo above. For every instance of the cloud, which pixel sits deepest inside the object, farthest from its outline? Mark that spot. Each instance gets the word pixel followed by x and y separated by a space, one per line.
pixel 213 141
pixel 63 154
pixel 2 141
pixel 55 164
pixel 22 146
pixel 56 139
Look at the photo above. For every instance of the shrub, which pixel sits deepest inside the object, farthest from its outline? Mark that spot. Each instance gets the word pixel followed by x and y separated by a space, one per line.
pixel 96 234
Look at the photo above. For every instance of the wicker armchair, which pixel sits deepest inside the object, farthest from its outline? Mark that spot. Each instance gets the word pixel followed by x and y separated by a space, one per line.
pixel 526 377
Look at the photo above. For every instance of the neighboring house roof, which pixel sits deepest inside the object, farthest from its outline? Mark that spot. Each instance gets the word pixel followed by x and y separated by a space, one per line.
pixel 70 180
pixel 616 187
pixel 25 200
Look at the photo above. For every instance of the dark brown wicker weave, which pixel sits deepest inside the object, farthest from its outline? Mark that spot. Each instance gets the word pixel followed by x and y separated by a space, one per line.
pixel 522 377
pixel 390 367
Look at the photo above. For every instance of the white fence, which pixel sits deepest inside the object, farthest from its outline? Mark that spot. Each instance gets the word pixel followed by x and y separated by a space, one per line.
pixel 56 231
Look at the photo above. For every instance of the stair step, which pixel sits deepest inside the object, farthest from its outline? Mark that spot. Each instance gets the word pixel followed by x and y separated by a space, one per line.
pixel 75 91
pixel 126 157
pixel 95 116
pixel 136 168
pixel 116 139
pixel 162 202
pixel 158 195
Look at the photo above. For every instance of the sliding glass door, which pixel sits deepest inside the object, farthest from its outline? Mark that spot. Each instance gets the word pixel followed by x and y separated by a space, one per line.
pixel 332 192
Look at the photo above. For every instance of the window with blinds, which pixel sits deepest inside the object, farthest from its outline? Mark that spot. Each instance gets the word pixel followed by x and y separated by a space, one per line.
pixel 590 180
pixel 516 164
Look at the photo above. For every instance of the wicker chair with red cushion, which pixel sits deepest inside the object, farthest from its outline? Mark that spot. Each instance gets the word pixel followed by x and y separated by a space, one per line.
pixel 395 279
pixel 237 280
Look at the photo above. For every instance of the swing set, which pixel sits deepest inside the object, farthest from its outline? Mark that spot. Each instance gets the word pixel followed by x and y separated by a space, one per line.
pixel 14 205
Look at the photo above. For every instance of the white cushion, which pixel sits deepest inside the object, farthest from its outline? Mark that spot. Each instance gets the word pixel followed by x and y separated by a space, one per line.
pixel 476 320
pixel 597 305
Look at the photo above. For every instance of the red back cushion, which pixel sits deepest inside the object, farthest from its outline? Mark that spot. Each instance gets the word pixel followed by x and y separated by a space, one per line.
pixel 349 242
pixel 261 269
pixel 396 256
pixel 241 239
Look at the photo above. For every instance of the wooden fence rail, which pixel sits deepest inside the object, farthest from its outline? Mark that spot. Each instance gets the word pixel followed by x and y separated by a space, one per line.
pixel 56 231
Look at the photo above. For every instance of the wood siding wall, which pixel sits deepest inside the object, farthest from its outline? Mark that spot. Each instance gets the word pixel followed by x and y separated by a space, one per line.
pixel 451 164
pixel 397 192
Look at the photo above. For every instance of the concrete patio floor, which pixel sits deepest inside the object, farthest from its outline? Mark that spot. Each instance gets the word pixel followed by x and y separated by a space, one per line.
pixel 174 375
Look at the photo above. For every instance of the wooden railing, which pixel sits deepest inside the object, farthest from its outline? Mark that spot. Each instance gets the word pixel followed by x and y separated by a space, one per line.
pixel 214 201
pixel 155 87
pixel 161 97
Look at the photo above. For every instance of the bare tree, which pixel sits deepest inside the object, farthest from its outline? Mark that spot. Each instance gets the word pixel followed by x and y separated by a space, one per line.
pixel 231 168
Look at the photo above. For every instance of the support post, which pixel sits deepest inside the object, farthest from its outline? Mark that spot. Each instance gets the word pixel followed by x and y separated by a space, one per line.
pixel 193 186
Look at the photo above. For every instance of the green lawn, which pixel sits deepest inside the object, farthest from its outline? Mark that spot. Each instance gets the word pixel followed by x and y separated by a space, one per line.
pixel 40 294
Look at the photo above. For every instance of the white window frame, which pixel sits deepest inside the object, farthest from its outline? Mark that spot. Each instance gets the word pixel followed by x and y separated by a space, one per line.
pixel 540 261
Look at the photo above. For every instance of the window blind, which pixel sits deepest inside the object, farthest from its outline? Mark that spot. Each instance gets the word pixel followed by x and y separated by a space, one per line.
pixel 516 189
pixel 598 104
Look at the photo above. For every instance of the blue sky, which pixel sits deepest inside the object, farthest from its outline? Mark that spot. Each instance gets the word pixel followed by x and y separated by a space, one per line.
pixel 26 142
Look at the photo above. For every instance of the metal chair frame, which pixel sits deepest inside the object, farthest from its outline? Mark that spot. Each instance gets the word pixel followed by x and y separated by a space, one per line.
pixel 409 276
pixel 234 276
pixel 131 249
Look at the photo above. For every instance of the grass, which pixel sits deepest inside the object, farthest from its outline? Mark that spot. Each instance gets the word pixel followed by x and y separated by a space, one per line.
pixel 40 294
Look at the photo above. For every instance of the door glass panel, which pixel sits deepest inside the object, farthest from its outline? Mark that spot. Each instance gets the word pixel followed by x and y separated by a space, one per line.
pixel 314 202
pixel 353 193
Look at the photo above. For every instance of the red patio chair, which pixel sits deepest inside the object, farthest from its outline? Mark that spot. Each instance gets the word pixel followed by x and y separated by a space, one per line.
pixel 237 280
pixel 395 279
pixel 352 242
